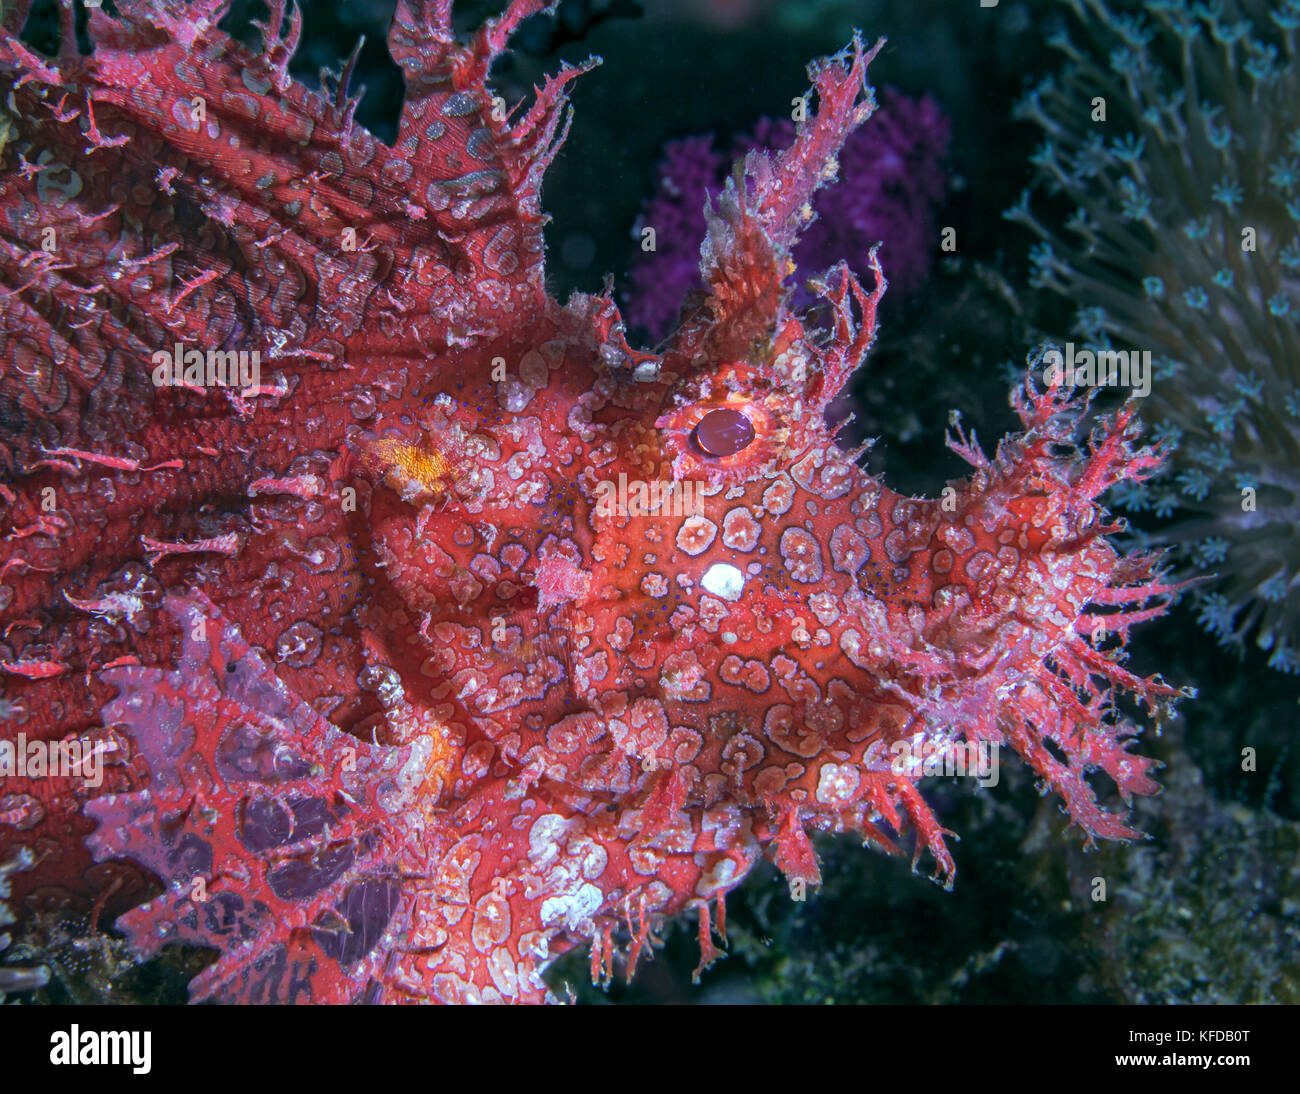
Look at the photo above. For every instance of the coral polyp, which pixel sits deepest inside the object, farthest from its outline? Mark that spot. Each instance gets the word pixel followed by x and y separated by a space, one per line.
pixel 1172 141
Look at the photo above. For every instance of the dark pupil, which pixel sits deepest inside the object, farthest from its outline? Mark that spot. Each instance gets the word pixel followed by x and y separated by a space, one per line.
pixel 724 433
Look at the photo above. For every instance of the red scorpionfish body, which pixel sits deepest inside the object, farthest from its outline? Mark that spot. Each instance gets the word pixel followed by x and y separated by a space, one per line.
pixel 464 633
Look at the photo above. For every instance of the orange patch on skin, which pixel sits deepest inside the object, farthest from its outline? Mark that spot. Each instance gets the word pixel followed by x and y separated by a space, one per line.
pixel 408 465
pixel 443 764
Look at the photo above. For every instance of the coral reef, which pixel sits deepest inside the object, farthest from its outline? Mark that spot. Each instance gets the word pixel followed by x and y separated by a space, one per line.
pixel 1209 911
pixel 1172 140
pixel 16 977
pixel 79 963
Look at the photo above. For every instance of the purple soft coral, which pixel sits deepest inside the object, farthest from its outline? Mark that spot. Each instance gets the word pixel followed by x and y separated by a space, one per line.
pixel 891 178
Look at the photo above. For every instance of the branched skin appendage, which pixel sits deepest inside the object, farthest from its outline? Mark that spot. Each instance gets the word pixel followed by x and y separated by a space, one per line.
pixel 484 635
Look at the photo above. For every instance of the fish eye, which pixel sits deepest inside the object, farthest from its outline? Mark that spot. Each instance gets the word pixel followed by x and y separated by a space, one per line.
pixel 723 432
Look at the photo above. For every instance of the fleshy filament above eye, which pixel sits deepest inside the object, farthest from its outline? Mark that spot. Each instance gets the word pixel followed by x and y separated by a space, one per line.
pixel 723 432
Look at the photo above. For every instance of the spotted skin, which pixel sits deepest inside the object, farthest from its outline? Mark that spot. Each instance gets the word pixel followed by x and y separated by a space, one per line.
pixel 398 709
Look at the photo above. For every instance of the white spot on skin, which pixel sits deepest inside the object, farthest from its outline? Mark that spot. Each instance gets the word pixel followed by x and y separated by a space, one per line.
pixel 896 546
pixel 571 908
pixel 696 535
pixel 748 674
pixel 683 678
pixel 978 565
pixel 849 551
pixel 514 396
pixel 591 856
pixel 724 580
pixel 716 878
pixel 778 497
pixel 543 838
pixel 501 967
pixel 740 754
pixel 654 584
pixel 802 555
pixel 786 729
pixel 740 531
pixel 491 926
pixel 837 783
pixel 825 608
